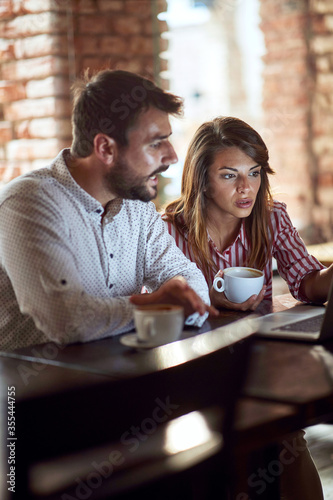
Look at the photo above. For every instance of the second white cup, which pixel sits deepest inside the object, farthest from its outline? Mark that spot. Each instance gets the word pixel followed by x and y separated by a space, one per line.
pixel 239 283
pixel 159 324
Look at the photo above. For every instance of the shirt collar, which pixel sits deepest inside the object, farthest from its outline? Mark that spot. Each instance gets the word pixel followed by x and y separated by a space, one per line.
pixel 241 237
pixel 61 173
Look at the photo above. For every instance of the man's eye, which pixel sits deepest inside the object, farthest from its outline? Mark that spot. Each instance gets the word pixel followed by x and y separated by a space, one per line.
pixel 156 145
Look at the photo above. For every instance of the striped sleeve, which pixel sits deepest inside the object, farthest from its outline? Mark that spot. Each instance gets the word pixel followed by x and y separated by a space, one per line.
pixel 293 260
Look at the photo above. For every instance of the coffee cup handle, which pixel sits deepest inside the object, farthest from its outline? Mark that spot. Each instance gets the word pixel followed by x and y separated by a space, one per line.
pixel 149 330
pixel 218 284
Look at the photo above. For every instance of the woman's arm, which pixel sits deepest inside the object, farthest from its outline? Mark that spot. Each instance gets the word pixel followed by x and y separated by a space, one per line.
pixel 295 265
pixel 316 285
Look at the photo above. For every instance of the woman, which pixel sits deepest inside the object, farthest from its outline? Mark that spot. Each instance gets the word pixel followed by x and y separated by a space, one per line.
pixel 226 216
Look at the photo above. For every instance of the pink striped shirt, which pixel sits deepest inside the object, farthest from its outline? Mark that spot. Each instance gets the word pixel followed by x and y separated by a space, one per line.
pixel 292 258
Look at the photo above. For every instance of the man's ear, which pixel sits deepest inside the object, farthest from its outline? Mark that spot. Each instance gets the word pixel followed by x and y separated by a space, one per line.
pixel 105 148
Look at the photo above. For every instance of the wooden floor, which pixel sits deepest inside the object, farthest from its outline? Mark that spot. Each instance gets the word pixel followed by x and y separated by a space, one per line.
pixel 319 437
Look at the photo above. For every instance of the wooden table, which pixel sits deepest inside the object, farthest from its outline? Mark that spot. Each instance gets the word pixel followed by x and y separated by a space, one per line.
pixel 289 385
pixel 257 423
pixel 286 372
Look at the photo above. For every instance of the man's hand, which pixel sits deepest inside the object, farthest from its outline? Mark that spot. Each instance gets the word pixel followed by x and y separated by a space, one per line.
pixel 175 291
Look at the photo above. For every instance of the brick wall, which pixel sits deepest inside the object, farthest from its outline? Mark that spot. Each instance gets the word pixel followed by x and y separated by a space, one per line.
pixel 321 50
pixel 44 44
pixel 298 109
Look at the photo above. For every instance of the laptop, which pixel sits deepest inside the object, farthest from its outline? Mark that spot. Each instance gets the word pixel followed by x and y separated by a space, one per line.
pixel 302 322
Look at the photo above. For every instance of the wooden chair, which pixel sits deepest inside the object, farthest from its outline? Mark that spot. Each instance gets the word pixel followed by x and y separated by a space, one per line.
pixel 166 430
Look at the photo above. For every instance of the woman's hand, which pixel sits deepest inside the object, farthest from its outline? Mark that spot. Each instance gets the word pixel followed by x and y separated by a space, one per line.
pixel 218 299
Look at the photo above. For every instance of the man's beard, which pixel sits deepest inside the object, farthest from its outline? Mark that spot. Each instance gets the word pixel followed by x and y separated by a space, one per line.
pixel 121 182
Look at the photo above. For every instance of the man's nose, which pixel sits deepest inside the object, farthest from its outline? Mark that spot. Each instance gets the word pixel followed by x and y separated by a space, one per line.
pixel 171 156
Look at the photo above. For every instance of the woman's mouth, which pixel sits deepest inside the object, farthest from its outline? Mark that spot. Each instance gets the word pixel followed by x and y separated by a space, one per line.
pixel 246 203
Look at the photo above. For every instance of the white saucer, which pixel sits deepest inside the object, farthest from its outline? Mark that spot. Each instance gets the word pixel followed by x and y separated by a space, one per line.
pixel 131 340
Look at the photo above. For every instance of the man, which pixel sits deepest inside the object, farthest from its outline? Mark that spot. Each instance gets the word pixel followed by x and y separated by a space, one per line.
pixel 79 240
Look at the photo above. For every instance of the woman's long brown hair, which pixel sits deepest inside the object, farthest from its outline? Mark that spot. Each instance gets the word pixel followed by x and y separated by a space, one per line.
pixel 188 213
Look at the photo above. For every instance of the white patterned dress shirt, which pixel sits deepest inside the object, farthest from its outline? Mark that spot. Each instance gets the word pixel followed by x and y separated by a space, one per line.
pixel 66 274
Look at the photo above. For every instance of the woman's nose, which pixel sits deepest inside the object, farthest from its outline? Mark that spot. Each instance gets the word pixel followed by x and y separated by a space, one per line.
pixel 243 185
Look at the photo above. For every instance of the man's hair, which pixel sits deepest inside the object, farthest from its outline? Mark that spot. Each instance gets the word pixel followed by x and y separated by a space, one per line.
pixel 110 102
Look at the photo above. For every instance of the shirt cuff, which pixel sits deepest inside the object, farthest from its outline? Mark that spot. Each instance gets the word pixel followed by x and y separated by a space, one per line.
pixel 196 319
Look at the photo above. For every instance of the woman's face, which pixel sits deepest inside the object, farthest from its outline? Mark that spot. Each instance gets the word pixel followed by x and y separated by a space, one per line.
pixel 233 184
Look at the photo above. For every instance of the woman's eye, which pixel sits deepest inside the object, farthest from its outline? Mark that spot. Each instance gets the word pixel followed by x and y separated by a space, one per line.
pixel 227 176
pixel 256 173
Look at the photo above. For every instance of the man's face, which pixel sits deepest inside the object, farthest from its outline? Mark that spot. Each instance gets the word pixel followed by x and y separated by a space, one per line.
pixel 149 152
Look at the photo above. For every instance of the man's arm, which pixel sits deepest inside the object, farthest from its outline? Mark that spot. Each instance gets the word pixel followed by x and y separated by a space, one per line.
pixel 171 277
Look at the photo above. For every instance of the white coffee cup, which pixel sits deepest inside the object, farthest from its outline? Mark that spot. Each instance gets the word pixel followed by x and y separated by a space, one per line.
pixel 239 283
pixel 159 324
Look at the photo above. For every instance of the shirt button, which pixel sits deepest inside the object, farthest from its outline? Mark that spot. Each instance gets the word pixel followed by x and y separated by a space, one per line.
pixel 110 286
pixel 99 211
pixel 190 321
pixel 111 255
